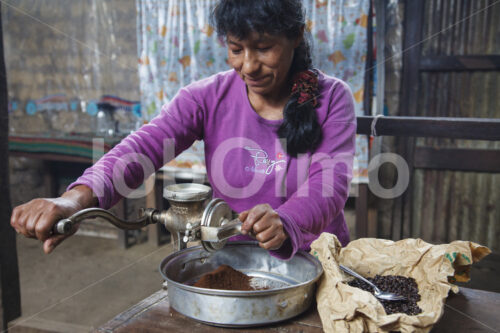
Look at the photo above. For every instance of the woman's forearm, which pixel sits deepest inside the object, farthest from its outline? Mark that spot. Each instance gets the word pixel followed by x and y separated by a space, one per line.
pixel 82 195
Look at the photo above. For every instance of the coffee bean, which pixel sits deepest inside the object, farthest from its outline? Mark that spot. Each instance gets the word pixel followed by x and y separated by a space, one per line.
pixel 397 284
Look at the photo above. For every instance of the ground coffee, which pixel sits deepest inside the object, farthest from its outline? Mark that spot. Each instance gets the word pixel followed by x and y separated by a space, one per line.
pixel 399 285
pixel 225 277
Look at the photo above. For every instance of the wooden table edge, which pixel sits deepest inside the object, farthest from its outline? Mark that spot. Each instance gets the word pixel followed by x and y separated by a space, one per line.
pixel 150 302
pixel 133 312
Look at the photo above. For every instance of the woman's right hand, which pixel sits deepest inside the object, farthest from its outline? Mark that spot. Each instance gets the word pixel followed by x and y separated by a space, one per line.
pixel 36 218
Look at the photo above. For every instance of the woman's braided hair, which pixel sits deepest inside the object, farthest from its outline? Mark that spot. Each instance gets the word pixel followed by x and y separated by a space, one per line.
pixel 300 127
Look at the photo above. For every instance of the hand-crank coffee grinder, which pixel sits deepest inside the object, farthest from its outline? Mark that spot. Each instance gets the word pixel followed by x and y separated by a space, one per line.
pixel 193 215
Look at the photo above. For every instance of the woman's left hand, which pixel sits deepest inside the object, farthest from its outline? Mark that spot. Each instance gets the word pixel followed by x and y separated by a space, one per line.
pixel 266 224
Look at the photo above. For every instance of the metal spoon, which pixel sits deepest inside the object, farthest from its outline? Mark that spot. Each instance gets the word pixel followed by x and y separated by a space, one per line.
pixel 376 292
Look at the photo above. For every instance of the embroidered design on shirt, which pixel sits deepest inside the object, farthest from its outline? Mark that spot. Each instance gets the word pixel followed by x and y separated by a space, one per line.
pixel 262 162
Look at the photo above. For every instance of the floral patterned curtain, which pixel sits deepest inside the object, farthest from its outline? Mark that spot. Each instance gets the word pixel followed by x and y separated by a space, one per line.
pixel 176 46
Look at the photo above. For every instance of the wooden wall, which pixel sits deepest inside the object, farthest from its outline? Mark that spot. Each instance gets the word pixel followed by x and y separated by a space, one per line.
pixel 454 72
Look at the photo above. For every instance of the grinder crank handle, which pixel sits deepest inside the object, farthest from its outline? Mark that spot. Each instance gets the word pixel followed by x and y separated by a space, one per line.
pixel 234 226
pixel 230 229
pixel 65 226
pixel 227 230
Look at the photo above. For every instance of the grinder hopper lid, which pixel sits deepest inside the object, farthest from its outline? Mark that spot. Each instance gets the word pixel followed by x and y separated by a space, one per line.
pixel 187 192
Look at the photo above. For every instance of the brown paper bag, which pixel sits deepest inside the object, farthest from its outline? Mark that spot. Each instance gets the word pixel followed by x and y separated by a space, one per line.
pixel 343 308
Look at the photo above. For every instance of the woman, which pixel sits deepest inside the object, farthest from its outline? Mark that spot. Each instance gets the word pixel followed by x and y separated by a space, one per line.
pixel 279 137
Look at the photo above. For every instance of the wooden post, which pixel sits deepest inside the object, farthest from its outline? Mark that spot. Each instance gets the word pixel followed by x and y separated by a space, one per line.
pixel 362 211
pixel 414 13
pixel 10 300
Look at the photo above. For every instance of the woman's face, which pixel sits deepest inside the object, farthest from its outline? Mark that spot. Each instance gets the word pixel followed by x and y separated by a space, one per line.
pixel 262 61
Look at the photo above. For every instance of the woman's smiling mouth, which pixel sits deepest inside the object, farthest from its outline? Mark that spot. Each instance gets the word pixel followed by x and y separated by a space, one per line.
pixel 255 82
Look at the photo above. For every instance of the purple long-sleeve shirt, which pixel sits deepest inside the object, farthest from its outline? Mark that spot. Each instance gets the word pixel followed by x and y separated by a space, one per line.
pixel 246 163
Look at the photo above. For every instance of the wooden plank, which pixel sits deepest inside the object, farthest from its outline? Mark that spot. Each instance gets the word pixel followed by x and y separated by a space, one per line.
pixel 380 18
pixel 135 310
pixel 439 208
pixel 467 207
pixel 428 206
pixel 413 18
pixel 418 202
pixel 362 199
pixel 10 300
pixel 452 219
pixel 482 193
pixel 368 84
pixel 362 211
pixel 460 63
pixel 438 127
pixel 469 311
pixel 411 56
pixel 457 159
pixel 372 230
pixel 445 211
pixel 494 214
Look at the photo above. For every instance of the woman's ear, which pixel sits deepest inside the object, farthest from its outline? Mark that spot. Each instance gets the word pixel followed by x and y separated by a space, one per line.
pixel 299 38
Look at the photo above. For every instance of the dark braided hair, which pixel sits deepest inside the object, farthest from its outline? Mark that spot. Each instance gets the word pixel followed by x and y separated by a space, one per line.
pixel 300 127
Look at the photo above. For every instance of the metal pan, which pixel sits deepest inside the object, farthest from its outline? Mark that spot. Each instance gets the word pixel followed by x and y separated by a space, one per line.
pixel 291 285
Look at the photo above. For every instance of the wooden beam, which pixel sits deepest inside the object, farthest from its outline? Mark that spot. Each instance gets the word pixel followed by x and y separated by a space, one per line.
pixel 10 298
pixel 368 86
pixel 460 63
pixel 474 160
pixel 438 127
pixel 362 211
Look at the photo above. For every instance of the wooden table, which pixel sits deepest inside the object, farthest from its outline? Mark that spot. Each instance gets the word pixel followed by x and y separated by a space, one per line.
pixel 469 311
